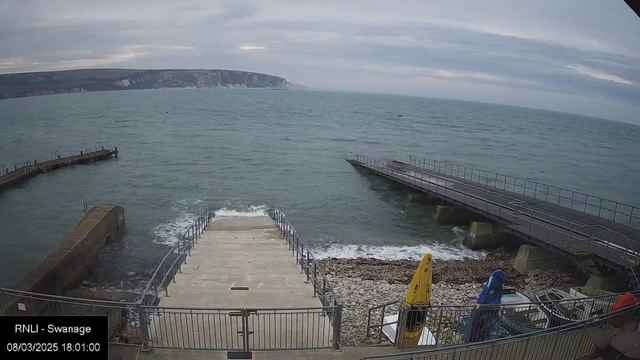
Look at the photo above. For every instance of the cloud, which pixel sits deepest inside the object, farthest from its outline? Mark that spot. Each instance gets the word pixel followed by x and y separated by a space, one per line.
pixel 11 62
pixel 251 47
pixel 599 74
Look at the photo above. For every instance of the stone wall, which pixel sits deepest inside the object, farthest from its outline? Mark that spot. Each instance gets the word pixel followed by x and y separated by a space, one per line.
pixel 66 265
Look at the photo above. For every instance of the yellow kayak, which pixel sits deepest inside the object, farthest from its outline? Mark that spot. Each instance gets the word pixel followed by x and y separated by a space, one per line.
pixel 416 302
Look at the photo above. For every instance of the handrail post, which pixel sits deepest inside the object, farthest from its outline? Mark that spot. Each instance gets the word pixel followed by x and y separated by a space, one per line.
pixel 437 336
pixel 600 209
pixel 315 278
pixel 337 327
pixel 324 290
pixel 190 242
pixel 400 324
pixel 195 240
pixel 145 328
pixel 308 264
pixel 302 258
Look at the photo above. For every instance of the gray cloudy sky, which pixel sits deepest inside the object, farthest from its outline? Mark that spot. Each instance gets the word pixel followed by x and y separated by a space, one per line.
pixel 580 56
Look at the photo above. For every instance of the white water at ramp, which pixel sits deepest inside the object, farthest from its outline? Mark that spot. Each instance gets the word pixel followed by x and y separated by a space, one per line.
pixel 242 211
pixel 170 231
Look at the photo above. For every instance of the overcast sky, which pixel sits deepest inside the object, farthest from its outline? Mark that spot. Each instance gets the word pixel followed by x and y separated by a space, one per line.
pixel 579 56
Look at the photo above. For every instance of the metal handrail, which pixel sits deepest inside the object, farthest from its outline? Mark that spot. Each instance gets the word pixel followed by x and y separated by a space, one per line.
pixel 58 298
pixel 538 188
pixel 236 309
pixel 298 250
pixel 182 248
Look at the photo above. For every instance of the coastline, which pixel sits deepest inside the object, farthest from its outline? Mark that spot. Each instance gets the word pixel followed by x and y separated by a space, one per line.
pixel 361 283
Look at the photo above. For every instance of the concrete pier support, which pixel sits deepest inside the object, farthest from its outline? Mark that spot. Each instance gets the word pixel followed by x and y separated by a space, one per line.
pixel 397 186
pixel 489 235
pixel 422 198
pixel 452 215
pixel 613 283
pixel 533 257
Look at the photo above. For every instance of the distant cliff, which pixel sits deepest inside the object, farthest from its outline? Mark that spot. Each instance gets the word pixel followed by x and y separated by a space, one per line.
pixel 73 81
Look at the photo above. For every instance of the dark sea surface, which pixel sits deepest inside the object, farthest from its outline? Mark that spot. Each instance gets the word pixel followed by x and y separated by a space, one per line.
pixel 243 150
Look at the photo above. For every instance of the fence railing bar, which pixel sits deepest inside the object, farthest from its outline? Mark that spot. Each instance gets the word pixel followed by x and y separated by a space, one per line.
pixel 517 183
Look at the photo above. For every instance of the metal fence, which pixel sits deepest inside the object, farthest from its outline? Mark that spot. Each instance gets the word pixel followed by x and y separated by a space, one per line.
pixel 448 325
pixel 124 318
pixel 243 329
pixel 593 205
pixel 535 224
pixel 567 342
pixel 233 329
pixel 175 257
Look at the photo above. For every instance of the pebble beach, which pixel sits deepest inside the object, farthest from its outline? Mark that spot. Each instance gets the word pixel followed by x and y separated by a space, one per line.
pixel 362 283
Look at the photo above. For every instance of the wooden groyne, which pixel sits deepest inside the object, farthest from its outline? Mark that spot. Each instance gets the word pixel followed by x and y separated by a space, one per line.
pixel 28 170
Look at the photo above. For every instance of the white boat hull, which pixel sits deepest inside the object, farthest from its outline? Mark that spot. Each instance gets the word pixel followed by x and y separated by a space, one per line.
pixel 389 330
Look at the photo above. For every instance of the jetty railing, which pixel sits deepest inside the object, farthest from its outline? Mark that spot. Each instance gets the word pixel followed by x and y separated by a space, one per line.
pixel 234 329
pixel 448 325
pixel 172 262
pixel 590 204
pixel 567 342
pixel 557 231
pixel 23 170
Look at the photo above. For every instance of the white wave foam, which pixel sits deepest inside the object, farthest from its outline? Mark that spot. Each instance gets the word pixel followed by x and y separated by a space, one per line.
pixel 459 231
pixel 168 233
pixel 244 211
pixel 414 252
pixel 185 203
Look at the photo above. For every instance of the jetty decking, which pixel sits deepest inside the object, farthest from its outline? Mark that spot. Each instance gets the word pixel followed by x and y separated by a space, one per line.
pixel 578 234
pixel 19 174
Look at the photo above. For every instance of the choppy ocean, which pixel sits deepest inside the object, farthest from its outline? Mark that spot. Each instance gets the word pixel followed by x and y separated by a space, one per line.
pixel 244 150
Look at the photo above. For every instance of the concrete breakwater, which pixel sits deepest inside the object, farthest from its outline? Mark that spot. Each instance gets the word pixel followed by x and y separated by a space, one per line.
pixel 66 265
